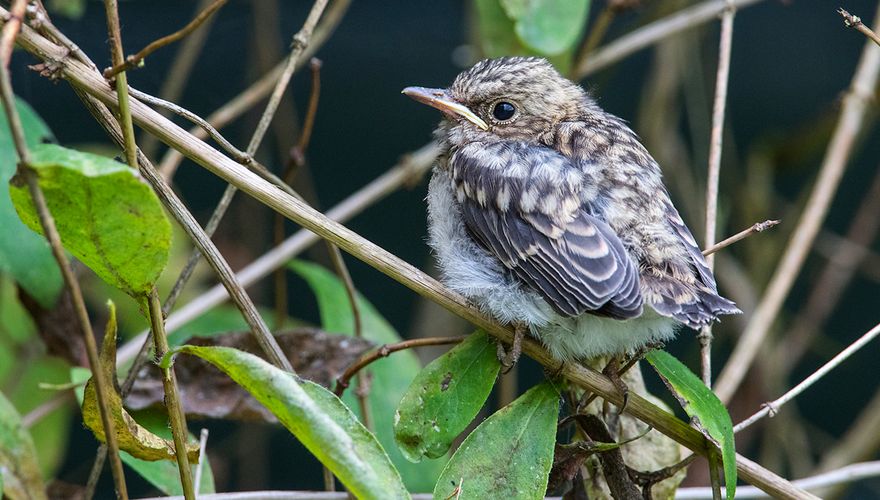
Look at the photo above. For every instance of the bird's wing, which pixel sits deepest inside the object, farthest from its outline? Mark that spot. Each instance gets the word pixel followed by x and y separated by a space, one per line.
pixel 525 204
pixel 690 294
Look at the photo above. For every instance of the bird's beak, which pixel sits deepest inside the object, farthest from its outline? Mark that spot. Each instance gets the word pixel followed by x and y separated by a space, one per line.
pixel 440 99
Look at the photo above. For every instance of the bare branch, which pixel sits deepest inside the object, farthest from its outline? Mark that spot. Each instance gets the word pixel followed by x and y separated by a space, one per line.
pixel 133 61
pixel 855 22
pixel 773 407
pixel 385 351
pixel 840 148
pixel 654 32
pixel 714 170
pixel 745 233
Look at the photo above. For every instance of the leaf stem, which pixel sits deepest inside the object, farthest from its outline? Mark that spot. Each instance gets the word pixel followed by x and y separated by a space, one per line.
pixel 172 401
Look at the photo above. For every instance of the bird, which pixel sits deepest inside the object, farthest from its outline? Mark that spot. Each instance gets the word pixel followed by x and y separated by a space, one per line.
pixel 549 214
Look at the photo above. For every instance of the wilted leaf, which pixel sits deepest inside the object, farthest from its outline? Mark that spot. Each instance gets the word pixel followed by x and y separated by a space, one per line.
pixel 24 255
pixel 702 404
pixel 206 392
pixel 509 455
pixel 549 27
pixel 130 435
pixel 106 215
pixel 322 423
pixel 164 474
pixel 390 377
pixel 19 471
pixel 445 397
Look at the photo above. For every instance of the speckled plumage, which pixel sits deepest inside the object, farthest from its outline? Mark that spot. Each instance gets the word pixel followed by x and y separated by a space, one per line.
pixel 557 218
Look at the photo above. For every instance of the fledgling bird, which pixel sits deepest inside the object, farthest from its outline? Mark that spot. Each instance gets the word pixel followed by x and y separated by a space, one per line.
pixel 549 214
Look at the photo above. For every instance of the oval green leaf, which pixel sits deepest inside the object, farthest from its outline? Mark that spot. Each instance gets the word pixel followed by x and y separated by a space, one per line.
pixel 390 377
pixel 445 397
pixel 25 255
pixel 19 472
pixel 106 215
pixel 509 455
pixel 550 27
pixel 700 403
pixel 319 419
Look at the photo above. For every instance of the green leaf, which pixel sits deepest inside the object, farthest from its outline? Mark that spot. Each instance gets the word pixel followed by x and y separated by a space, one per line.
pixel 50 434
pixel 73 9
pixel 550 27
pixel 106 215
pixel 324 425
pixel 497 31
pixel 445 397
pixel 702 404
pixel 509 455
pixel 23 254
pixel 18 459
pixel 390 376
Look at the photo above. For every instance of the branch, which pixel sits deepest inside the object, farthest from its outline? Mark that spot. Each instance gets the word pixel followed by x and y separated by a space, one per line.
pixel 851 21
pixel 652 33
pixel 134 61
pixel 383 352
pixel 754 228
pixel 87 80
pixel 855 106
pixel 714 170
pixel 772 408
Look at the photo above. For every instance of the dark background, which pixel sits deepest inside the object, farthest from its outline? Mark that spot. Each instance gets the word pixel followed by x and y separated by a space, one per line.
pixel 791 61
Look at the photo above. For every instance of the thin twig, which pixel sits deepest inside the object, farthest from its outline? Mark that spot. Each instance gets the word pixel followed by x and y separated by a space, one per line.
pixel 10 30
pixel 652 33
pixel 855 106
pixel 178 74
pixel 130 62
pixel 172 401
pixel 261 88
pixel 300 42
pixel 113 31
pixel 236 154
pixel 855 22
pixel 714 170
pixel 384 351
pixel 203 457
pixel 745 233
pixel 47 223
pixel 847 474
pixel 84 78
pixel 773 407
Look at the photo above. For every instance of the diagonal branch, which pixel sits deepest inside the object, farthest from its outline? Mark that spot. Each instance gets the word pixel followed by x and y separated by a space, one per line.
pixel 133 61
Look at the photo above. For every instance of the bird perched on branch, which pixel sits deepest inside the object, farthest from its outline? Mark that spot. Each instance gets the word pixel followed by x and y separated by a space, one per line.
pixel 549 214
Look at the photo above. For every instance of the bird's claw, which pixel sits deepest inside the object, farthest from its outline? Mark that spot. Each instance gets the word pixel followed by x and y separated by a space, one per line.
pixel 612 371
pixel 509 358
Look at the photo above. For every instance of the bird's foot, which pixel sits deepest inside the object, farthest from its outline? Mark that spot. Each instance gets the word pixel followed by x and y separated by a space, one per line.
pixel 509 358
pixel 612 371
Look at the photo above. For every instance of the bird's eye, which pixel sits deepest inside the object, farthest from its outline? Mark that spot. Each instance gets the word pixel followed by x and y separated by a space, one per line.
pixel 503 111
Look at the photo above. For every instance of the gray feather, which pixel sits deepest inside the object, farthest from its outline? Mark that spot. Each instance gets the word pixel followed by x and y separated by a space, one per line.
pixel 546 234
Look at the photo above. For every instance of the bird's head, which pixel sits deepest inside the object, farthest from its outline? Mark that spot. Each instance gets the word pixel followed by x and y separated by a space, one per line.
pixel 514 98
